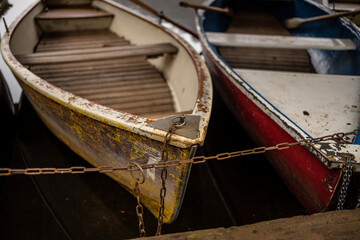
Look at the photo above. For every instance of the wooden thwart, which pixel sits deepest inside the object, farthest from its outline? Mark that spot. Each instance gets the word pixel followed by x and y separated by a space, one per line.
pixel 150 50
pixel 73 19
pixel 273 41
pixel 66 13
pixel 259 75
pixel 266 24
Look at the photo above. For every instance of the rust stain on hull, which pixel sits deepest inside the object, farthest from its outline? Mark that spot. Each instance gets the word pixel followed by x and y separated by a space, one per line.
pixel 103 135
pixel 104 145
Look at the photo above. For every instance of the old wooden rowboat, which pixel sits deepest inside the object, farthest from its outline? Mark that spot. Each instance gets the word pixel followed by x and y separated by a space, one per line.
pixel 287 86
pixel 108 83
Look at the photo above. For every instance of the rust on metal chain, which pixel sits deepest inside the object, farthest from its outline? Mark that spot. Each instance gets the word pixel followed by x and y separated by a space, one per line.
pixel 71 170
pixel 164 159
pixel 174 163
pixel 139 208
pixel 348 168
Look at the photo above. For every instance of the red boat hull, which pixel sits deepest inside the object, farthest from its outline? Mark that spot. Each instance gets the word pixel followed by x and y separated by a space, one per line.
pixel 307 178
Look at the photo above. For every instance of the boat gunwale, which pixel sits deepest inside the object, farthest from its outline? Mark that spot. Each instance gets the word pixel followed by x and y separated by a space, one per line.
pixel 113 117
pixel 261 102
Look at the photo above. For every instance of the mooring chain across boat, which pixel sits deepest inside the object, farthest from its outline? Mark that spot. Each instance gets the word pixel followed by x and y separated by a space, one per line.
pixel 164 157
pixel 345 184
pixel 139 208
pixel 133 167
pixel 338 137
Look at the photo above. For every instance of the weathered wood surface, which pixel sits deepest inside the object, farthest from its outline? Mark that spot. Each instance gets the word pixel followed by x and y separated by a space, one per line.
pixel 334 225
pixel 273 41
pixel 286 91
pixel 73 19
pixel 151 50
pixel 82 40
pixel 66 13
pixel 104 68
pixel 277 59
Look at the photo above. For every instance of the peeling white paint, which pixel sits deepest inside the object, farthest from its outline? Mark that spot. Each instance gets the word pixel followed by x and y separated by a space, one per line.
pixel 151 171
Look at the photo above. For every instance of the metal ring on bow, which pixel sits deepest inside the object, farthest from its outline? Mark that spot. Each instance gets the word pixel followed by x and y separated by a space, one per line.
pixel 181 121
pixel 130 167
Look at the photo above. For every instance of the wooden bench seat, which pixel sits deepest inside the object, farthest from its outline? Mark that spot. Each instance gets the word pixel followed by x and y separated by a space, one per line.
pixel 66 13
pixel 273 41
pixel 73 19
pixel 259 75
pixel 150 50
pixel 263 23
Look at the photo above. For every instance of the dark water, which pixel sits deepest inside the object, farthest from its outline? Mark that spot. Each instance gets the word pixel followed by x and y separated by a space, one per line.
pixel 92 206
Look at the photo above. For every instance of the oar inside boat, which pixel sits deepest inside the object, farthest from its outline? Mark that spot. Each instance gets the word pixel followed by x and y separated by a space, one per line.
pixel 162 16
pixel 227 11
pixel 296 22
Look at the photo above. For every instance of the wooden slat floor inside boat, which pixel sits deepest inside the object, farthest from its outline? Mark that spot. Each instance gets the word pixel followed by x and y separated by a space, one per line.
pixel 128 84
pixel 261 58
pixel 83 40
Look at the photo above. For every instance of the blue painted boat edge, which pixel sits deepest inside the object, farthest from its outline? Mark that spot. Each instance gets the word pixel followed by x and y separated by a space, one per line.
pixel 214 50
pixel 357 138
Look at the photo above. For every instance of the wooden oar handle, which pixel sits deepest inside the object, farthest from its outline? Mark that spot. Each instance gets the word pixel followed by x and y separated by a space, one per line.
pixel 323 17
pixel 156 13
pixel 207 8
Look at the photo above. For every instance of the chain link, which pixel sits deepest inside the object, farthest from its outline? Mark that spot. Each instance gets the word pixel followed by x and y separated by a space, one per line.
pixel 345 184
pixel 165 164
pixel 139 208
pixel 339 137
pixel 164 159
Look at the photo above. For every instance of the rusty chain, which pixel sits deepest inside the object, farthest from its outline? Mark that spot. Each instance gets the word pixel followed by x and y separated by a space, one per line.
pixel 164 164
pixel 345 184
pixel 173 163
pixel 164 158
pixel 139 208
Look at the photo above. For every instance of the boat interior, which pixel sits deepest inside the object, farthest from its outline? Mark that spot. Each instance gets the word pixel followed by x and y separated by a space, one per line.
pixel 110 57
pixel 299 72
pixel 263 23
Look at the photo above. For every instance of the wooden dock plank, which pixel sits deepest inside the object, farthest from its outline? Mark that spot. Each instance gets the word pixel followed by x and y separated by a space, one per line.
pixel 336 225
